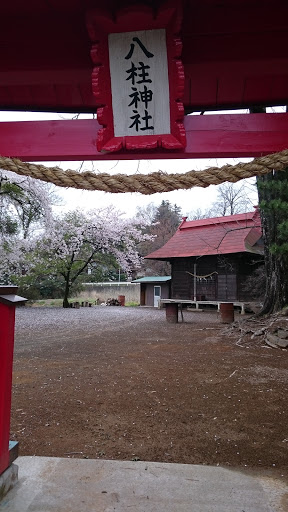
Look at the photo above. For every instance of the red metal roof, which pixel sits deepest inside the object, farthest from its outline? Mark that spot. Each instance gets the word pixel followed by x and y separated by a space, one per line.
pixel 235 54
pixel 219 235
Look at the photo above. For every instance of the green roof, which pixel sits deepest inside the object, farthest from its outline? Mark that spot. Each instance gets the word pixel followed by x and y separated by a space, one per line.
pixel 152 279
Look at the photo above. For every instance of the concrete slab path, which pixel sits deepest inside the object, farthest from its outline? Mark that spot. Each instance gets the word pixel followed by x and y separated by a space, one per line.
pixel 49 484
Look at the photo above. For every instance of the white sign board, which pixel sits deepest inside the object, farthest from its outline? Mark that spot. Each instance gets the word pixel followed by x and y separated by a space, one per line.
pixel 139 83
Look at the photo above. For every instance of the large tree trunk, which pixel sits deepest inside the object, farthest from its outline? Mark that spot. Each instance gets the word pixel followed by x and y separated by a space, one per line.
pixel 276 265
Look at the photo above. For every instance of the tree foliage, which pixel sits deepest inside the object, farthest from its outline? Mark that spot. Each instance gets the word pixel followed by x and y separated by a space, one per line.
pixel 25 204
pixel 273 195
pixel 164 221
pixel 8 191
pixel 25 208
pixel 76 240
pixel 58 259
pixel 105 267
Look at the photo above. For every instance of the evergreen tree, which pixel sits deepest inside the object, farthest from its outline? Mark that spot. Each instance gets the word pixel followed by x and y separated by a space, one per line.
pixel 273 201
pixel 273 196
pixel 165 220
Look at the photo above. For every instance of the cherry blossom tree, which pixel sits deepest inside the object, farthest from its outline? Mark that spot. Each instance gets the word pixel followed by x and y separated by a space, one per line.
pixel 41 252
pixel 74 241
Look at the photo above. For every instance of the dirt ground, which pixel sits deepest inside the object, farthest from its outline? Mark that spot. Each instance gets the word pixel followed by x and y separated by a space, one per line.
pixel 122 383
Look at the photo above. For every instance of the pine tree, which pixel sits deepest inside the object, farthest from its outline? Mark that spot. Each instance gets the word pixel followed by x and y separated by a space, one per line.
pixel 273 196
pixel 273 201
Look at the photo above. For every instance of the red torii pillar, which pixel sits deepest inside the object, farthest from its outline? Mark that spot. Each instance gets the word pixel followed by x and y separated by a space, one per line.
pixel 8 301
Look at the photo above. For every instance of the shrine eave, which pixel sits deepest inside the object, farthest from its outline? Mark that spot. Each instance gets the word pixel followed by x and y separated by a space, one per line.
pixel 235 54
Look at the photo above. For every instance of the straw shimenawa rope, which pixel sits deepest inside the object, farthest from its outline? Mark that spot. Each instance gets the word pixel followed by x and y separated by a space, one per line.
pixel 148 183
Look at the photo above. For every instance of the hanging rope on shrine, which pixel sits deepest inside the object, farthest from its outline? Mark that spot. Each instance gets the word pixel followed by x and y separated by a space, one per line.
pixel 201 277
pixel 148 183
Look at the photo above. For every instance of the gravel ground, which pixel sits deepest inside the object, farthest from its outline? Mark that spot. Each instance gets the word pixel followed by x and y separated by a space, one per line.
pixel 38 318
pixel 122 383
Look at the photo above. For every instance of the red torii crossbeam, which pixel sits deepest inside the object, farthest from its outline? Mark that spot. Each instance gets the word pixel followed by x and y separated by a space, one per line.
pixel 208 136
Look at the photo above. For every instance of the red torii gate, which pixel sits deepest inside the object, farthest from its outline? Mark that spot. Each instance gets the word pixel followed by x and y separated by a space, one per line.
pixel 235 55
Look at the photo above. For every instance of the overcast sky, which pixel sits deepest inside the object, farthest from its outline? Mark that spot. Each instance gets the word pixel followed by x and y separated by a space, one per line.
pixel 188 200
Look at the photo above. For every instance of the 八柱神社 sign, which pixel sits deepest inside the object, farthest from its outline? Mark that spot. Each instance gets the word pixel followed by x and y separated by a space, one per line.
pixel 139 83
pixel 138 79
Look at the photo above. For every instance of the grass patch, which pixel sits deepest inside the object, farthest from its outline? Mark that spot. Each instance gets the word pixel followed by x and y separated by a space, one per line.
pixel 58 303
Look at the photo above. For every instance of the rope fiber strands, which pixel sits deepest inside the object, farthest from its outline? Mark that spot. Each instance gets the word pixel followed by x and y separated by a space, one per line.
pixel 148 183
